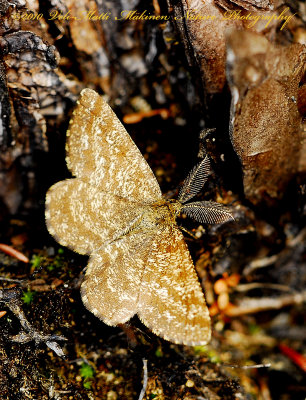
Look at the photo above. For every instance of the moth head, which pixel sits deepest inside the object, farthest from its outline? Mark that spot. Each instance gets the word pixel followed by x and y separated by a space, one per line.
pixel 175 207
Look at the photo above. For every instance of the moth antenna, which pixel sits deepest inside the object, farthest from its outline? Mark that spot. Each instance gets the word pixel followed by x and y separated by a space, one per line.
pixel 195 180
pixel 208 212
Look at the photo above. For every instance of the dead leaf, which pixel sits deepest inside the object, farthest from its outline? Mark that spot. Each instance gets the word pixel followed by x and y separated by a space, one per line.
pixel 265 121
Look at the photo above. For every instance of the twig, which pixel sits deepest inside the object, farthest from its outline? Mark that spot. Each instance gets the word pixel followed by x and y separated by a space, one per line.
pixel 292 242
pixel 253 305
pixel 294 356
pixel 268 365
pixel 259 263
pixel 39 285
pixel 267 261
pixel 13 253
pixel 245 287
pixel 21 282
pixel 134 118
pixel 11 298
pixel 145 379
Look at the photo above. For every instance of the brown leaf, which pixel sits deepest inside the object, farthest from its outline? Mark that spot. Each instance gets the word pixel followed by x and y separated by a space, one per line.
pixel 252 5
pixel 204 24
pixel 206 40
pixel 83 33
pixel 265 121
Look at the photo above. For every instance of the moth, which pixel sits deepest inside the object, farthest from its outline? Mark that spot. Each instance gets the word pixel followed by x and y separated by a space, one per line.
pixel 114 211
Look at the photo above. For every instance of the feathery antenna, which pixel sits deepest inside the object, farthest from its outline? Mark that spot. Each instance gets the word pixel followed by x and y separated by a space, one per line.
pixel 195 180
pixel 208 212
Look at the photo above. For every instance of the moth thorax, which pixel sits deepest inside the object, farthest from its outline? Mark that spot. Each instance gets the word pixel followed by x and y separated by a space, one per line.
pixel 175 208
pixel 166 212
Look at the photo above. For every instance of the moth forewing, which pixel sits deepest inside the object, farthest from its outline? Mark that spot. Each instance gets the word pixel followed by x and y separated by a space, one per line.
pixel 101 152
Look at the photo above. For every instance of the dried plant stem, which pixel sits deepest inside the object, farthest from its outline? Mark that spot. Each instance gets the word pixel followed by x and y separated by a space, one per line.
pixel 245 287
pixel 252 305
pixel 145 379
pixel 259 263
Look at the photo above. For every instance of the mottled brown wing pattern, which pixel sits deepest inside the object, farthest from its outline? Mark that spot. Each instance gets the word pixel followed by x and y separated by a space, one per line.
pixel 100 151
pixel 114 211
pixel 83 217
pixel 113 277
pixel 151 274
pixel 171 301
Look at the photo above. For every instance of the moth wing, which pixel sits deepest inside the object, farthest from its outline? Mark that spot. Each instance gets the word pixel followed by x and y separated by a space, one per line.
pixel 83 218
pixel 100 151
pixel 111 286
pixel 171 301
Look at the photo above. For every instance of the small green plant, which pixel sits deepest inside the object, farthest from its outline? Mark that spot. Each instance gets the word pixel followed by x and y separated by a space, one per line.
pixel 28 297
pixel 210 353
pixel 254 329
pixel 87 373
pixel 58 261
pixel 87 384
pixel 213 356
pixel 200 350
pixel 159 352
pixel 35 261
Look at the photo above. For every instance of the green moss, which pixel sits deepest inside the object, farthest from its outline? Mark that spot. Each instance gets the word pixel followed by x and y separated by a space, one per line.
pixel 35 261
pixel 159 352
pixel 210 353
pixel 253 329
pixel 58 262
pixel 200 349
pixel 87 384
pixel 86 371
pixel 28 296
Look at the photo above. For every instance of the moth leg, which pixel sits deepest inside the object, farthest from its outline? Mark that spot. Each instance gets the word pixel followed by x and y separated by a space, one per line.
pixel 188 231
